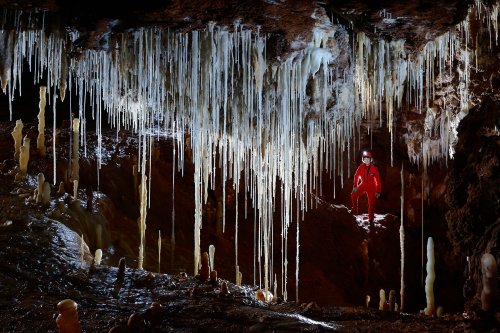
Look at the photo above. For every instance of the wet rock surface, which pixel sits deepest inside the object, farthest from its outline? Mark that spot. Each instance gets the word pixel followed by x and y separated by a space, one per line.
pixel 473 218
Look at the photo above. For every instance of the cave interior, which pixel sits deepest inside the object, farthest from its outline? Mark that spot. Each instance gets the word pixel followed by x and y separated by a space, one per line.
pixel 154 132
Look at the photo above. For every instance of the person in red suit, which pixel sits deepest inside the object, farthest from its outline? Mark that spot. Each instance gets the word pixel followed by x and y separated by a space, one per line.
pixel 366 180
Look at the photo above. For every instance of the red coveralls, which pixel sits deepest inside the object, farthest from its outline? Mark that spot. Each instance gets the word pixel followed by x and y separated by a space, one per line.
pixel 370 183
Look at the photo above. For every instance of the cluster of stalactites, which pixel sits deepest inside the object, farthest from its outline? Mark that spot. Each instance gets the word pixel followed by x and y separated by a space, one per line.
pixel 287 121
pixel 218 86
pixel 385 72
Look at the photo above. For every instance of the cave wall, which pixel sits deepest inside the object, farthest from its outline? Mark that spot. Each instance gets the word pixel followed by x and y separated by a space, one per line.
pixel 473 194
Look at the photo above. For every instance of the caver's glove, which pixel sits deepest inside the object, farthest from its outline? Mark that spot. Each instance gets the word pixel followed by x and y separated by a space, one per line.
pixel 377 195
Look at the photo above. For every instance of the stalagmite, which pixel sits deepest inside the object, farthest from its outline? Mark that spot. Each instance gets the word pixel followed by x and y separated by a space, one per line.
pixel 205 267
pixel 211 254
pixel 275 290
pixel 39 190
pixel 67 321
pixel 40 141
pixel 24 157
pixel 17 134
pixel 439 311
pixel 381 303
pixel 120 275
pixel 45 193
pixel 392 300
pixel 490 276
pixel 429 280
pixel 61 189
pixel 367 300
pixel 98 256
pixel 213 276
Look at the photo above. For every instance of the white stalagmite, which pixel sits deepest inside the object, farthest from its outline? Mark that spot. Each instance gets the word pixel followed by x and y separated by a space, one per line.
pixel 490 276
pixel 211 254
pixel 98 256
pixel 17 134
pixel 24 157
pixel 40 142
pixel 429 280
pixel 381 303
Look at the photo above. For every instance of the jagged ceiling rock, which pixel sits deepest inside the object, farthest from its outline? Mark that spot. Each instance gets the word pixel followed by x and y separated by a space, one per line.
pixel 285 21
pixel 415 22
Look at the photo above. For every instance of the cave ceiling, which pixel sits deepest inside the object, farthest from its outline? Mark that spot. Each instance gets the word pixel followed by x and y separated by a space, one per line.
pixel 416 22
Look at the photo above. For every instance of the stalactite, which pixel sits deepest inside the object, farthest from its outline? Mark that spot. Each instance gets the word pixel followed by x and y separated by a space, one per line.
pixel 142 219
pixel 75 164
pixel 40 142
